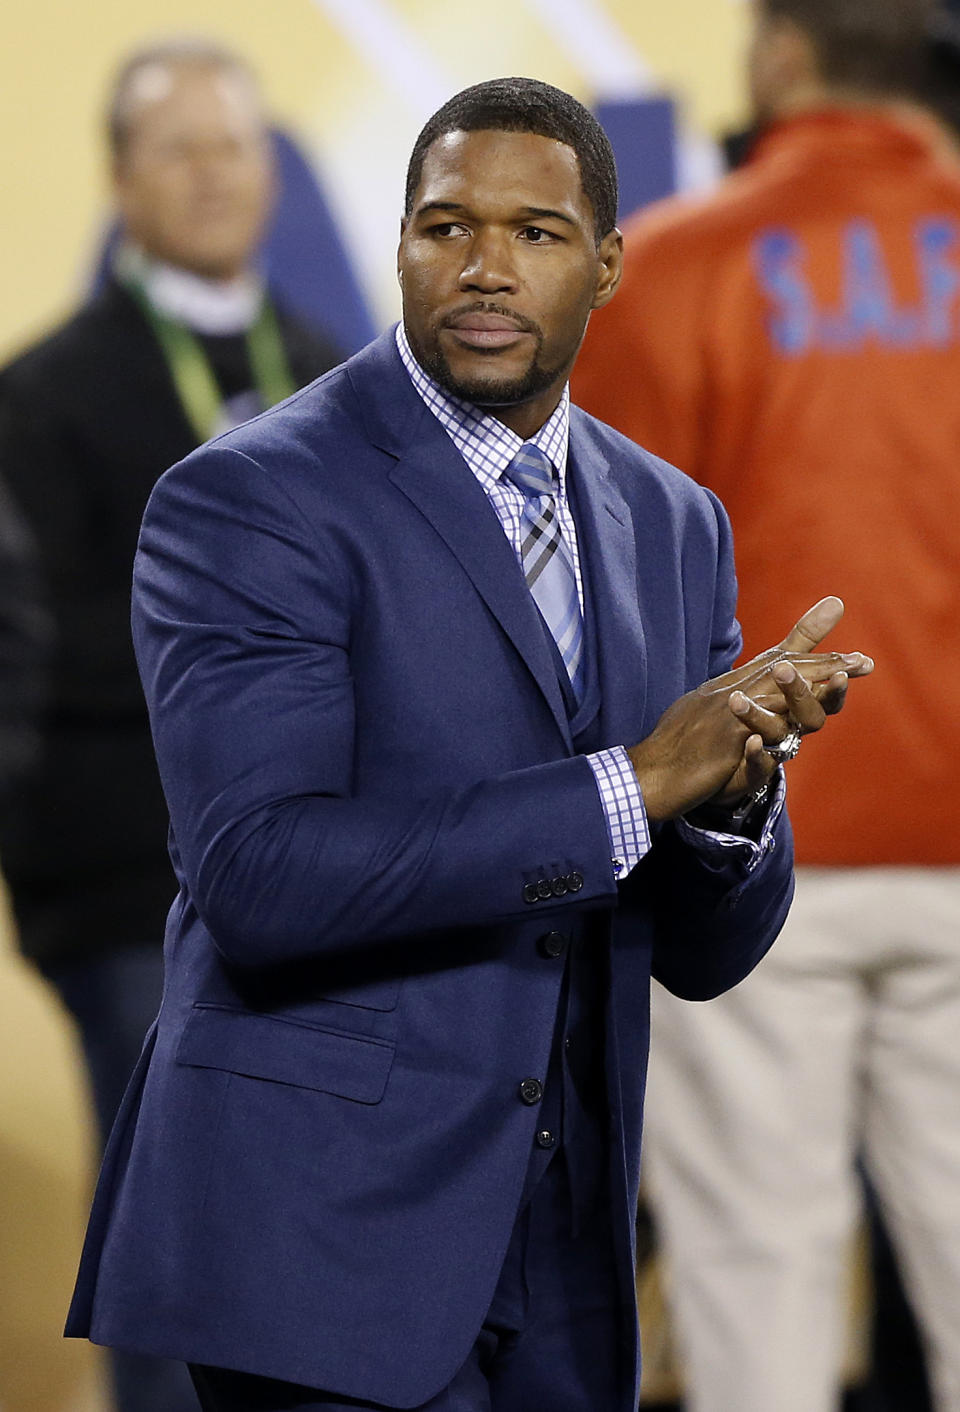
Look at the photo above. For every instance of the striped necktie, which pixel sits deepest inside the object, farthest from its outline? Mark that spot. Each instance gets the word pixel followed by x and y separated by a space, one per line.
pixel 547 564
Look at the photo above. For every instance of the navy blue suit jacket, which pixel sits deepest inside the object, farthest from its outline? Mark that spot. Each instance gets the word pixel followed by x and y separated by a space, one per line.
pixel 367 760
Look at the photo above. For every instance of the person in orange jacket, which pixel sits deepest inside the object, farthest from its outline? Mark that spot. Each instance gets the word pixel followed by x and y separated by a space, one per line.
pixel 792 341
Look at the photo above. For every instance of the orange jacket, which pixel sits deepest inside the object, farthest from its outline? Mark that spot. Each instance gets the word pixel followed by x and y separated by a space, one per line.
pixel 793 342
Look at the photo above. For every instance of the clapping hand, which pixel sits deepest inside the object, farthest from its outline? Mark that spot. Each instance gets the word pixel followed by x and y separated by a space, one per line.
pixel 713 745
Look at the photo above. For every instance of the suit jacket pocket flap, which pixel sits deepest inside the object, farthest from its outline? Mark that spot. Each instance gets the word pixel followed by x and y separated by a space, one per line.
pixel 266 1047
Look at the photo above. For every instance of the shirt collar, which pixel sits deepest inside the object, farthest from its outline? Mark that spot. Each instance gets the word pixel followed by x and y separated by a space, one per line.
pixel 208 306
pixel 485 443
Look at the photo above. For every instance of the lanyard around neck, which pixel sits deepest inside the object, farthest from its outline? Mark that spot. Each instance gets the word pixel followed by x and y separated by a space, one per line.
pixel 193 375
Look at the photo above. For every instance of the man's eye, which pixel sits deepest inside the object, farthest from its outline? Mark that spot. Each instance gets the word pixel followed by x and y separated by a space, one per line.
pixel 537 236
pixel 446 229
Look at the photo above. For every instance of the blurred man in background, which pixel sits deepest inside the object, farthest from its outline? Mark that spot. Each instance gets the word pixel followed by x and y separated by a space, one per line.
pixel 182 342
pixel 793 342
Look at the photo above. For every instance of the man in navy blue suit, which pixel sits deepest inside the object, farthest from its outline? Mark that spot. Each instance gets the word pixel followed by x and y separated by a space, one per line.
pixel 439 670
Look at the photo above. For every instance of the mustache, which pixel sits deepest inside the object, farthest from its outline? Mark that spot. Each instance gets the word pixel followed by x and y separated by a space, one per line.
pixel 484 306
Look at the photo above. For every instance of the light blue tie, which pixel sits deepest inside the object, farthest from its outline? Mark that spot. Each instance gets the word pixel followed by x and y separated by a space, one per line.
pixel 547 563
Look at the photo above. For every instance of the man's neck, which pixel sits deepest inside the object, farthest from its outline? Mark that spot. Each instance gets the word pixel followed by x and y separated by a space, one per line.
pixel 207 306
pixel 816 97
pixel 813 96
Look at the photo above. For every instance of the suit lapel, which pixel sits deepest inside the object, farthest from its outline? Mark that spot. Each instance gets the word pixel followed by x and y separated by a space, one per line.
pixel 436 479
pixel 432 474
pixel 607 538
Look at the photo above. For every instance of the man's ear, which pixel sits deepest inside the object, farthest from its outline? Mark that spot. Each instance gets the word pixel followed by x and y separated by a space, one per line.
pixel 609 268
pixel 403 226
pixel 117 172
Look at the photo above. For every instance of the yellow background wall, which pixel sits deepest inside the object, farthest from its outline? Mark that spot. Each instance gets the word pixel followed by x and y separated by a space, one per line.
pixel 357 110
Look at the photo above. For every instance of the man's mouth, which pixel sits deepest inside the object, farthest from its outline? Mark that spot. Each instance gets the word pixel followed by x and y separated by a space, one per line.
pixel 480 330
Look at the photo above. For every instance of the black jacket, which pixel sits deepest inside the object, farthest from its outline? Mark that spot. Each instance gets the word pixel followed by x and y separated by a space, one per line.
pixel 89 419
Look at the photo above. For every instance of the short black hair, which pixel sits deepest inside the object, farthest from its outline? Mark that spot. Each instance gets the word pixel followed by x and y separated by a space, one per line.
pixel 940 89
pixel 181 50
pixel 527 105
pixel 875 46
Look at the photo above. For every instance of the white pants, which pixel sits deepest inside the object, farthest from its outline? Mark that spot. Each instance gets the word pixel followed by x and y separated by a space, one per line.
pixel 846 1038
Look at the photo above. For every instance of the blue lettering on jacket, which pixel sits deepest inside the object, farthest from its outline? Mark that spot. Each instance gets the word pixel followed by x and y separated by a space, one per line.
pixel 780 259
pixel 940 280
pixel 868 312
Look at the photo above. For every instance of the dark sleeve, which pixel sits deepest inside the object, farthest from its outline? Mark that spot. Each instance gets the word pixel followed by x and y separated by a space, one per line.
pixel 709 932
pixel 52 472
pixel 25 639
pixel 712 925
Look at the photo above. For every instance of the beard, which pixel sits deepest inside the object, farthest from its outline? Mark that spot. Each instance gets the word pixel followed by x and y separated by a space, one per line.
pixel 490 391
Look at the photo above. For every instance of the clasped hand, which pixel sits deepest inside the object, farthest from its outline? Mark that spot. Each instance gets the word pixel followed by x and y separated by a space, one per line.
pixel 709 748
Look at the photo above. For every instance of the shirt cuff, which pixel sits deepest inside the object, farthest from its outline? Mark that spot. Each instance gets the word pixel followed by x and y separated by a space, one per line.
pixel 623 806
pixel 720 848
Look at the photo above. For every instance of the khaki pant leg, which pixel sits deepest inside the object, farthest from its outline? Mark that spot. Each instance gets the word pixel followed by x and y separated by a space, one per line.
pixel 750 1134
pixel 912 1099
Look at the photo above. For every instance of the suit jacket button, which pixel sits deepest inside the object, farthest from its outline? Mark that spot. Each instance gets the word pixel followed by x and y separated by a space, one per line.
pixel 530 893
pixel 531 1091
pixel 544 890
pixel 558 886
pixel 574 882
pixel 552 945
pixel 546 1139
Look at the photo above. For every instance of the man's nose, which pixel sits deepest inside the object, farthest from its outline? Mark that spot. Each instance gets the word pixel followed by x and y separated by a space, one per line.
pixel 489 268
